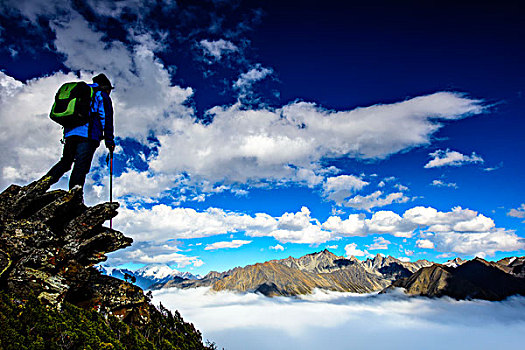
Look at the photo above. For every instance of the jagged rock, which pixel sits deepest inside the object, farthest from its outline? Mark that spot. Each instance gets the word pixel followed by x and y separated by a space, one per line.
pixel 49 242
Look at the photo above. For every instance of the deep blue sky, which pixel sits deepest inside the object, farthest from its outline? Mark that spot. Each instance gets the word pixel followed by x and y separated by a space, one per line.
pixel 337 55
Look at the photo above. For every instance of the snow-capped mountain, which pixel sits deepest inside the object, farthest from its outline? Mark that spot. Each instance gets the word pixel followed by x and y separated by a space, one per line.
pixel 148 275
pixel 454 262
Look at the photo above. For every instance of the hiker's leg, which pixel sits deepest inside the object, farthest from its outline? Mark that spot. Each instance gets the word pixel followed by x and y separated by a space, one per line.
pixel 65 163
pixel 83 157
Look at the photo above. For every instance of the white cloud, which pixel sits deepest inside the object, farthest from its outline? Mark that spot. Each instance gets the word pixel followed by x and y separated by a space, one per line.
pixel 401 187
pixel 239 146
pixel 343 320
pixel 478 243
pixel 162 222
pixel 355 225
pixel 457 219
pixel 451 158
pixel 236 243
pixel 148 253
pixel 480 223
pixel 380 243
pixel 179 259
pixel 338 188
pixel 144 99
pixel 440 183
pixel 424 244
pixel 277 247
pixel 24 110
pixel 374 200
pixel 351 250
pixel 246 80
pixel 132 182
pixel 299 227
pixel 218 48
pixel 459 230
pixel 517 213
pixel 391 223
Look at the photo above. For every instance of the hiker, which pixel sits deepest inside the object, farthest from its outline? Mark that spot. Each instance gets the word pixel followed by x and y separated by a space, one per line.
pixel 82 141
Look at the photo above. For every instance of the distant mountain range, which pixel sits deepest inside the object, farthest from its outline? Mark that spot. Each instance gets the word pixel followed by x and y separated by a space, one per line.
pixel 293 276
pixel 148 275
pixel 457 278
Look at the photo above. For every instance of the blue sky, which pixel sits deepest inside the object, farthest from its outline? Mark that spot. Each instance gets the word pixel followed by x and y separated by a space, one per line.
pixel 250 131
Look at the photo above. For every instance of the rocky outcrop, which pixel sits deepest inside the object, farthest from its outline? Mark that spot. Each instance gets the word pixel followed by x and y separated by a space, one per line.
pixel 49 242
pixel 473 279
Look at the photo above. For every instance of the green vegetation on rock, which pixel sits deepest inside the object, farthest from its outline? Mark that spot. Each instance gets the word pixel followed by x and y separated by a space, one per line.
pixel 28 324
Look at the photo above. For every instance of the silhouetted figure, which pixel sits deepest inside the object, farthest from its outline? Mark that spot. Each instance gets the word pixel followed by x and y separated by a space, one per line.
pixel 82 141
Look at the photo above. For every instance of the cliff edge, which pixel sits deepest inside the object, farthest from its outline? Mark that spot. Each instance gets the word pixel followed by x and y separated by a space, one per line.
pixel 49 243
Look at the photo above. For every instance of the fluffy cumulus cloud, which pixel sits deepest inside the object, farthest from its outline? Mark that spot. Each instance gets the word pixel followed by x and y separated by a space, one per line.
pixel 481 244
pixel 451 158
pixel 425 244
pixel 162 222
pixel 355 225
pixel 252 321
pixel 352 250
pixel 338 188
pixel 461 231
pixel 277 247
pixel 236 243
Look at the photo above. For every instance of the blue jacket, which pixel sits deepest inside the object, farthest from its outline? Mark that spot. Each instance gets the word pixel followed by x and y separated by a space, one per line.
pixel 101 124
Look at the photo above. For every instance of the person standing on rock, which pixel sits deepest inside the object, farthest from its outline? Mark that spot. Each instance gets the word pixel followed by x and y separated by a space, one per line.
pixel 82 141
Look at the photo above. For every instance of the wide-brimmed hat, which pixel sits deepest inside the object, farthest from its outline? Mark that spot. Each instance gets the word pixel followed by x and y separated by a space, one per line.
pixel 103 81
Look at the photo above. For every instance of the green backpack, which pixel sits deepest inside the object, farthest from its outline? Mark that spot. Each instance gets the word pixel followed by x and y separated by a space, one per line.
pixel 72 105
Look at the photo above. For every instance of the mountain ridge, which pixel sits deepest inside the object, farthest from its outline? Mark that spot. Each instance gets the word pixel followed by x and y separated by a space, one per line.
pixel 472 279
pixel 293 276
pixel 457 278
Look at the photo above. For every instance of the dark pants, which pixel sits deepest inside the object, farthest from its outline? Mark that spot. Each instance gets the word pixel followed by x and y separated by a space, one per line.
pixel 78 150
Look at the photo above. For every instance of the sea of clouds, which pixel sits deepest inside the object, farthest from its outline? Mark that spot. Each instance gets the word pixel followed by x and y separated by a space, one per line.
pixel 331 320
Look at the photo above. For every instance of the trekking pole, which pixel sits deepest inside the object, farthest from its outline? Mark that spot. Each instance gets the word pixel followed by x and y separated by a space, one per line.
pixel 110 160
pixel 111 184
